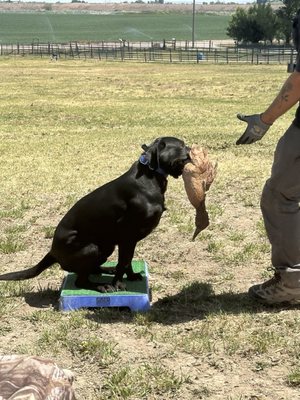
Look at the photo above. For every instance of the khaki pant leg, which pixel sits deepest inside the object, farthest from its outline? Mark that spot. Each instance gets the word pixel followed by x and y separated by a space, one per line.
pixel 280 201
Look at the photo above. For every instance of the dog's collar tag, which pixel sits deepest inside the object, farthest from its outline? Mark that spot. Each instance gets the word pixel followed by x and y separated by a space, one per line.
pixel 144 160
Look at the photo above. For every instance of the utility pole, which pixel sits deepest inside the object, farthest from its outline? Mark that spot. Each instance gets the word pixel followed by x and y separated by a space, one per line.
pixel 193 24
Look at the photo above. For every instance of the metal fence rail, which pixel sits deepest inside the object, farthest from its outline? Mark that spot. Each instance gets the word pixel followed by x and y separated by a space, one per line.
pixel 154 52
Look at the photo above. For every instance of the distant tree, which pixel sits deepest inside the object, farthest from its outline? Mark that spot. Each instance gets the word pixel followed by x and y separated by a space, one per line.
pixel 266 20
pixel 285 15
pixel 257 24
pixel 237 25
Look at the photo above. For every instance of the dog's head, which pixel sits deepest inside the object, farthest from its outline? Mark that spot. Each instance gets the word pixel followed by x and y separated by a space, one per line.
pixel 166 155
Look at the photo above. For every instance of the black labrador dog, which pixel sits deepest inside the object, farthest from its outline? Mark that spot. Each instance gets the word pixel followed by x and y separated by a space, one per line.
pixel 119 213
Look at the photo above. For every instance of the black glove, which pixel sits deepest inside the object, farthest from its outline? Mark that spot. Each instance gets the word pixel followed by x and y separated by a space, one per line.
pixel 255 129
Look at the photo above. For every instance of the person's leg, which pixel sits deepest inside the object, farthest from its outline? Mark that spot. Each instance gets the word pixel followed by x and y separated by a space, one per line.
pixel 280 208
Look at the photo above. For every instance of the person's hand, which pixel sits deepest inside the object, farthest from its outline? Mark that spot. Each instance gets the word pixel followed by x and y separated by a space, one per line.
pixel 255 130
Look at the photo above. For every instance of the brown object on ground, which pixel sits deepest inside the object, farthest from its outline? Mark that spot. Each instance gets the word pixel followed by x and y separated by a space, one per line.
pixel 34 378
pixel 198 175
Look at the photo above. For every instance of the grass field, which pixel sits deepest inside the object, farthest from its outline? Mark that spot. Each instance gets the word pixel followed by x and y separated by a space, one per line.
pixel 70 126
pixel 51 27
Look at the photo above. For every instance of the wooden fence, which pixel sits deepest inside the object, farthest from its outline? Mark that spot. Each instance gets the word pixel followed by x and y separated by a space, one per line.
pixel 154 52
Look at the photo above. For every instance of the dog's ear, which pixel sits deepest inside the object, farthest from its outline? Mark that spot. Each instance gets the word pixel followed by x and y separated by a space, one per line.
pixel 153 152
pixel 149 153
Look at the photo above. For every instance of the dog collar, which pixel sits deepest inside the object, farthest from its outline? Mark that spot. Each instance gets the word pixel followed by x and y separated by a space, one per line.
pixel 144 160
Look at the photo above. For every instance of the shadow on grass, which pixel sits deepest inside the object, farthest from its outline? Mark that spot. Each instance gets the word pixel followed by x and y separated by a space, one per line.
pixel 198 301
pixel 193 302
pixel 42 299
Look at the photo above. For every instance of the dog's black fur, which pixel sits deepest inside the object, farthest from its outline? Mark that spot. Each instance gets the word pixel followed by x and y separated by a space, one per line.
pixel 119 213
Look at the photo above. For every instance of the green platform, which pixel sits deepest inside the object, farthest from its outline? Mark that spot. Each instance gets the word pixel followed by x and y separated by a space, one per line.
pixel 136 297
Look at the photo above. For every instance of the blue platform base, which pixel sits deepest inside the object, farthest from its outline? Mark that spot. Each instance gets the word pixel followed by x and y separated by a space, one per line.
pixel 136 297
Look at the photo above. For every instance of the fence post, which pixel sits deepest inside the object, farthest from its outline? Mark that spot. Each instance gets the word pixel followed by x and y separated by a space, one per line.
pixel 77 49
pixel 71 50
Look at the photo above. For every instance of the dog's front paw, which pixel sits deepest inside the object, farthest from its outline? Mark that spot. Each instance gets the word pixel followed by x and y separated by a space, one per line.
pixel 135 277
pixel 105 288
pixel 117 286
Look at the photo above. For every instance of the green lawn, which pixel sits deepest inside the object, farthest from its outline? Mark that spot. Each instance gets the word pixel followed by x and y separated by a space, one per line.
pixel 50 27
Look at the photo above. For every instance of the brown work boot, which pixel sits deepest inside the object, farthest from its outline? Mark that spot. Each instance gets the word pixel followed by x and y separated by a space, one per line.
pixel 283 287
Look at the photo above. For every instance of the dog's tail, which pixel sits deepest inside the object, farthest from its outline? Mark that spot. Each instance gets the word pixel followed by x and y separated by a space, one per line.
pixel 29 273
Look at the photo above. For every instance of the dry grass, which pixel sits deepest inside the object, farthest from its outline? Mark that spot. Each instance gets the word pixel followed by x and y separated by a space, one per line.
pixel 66 128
